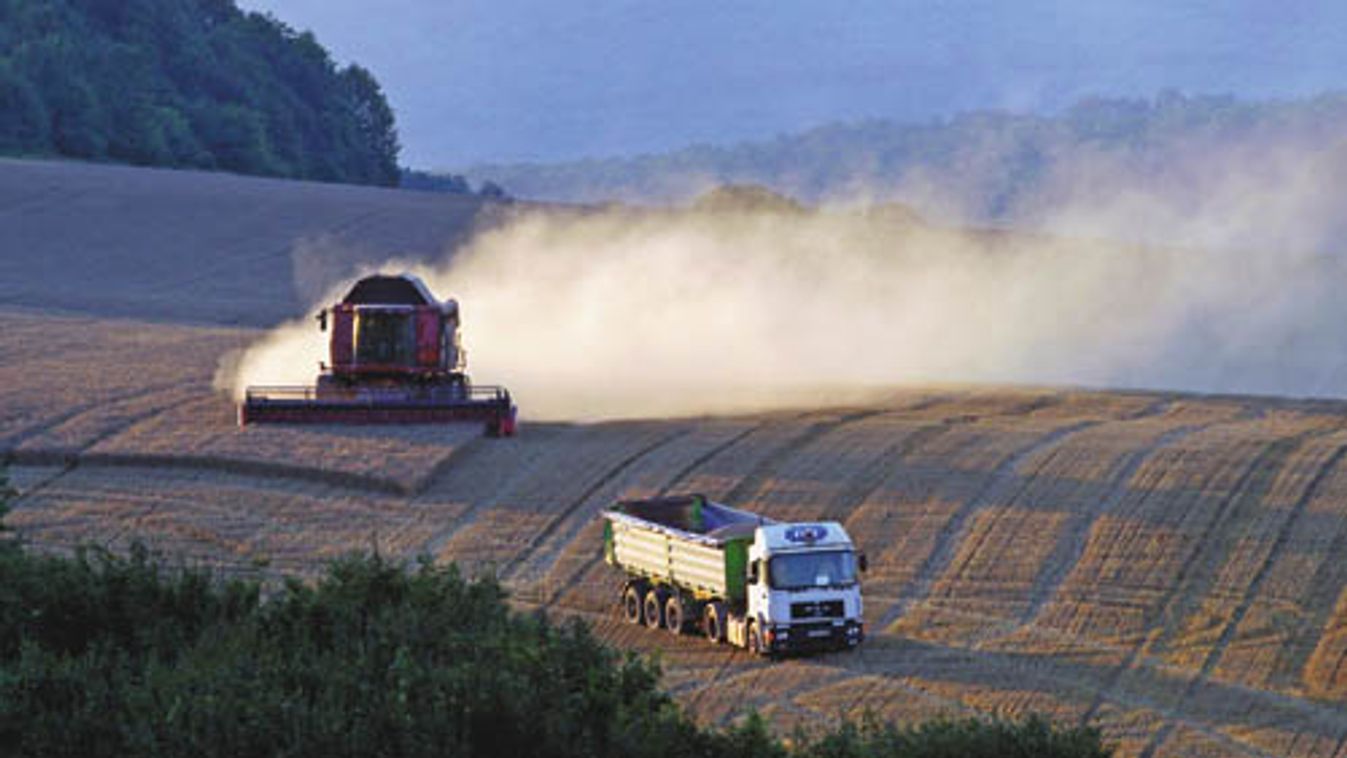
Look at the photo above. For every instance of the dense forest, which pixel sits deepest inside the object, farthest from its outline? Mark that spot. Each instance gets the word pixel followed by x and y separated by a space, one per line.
pixel 187 83
pixel 978 166
pixel 106 655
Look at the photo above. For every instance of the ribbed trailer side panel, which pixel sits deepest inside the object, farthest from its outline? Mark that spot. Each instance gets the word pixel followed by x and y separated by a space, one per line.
pixel 705 570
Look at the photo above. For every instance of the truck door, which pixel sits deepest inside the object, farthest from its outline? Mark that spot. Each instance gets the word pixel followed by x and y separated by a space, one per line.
pixel 758 589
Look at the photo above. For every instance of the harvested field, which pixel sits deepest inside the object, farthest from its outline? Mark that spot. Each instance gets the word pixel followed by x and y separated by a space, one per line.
pixel 1168 567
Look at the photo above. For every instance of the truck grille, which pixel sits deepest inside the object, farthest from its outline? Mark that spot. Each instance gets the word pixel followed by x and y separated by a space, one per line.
pixel 829 609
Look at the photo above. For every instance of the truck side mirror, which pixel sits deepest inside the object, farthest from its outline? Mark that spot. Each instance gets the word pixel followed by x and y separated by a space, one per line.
pixel 753 572
pixel 862 562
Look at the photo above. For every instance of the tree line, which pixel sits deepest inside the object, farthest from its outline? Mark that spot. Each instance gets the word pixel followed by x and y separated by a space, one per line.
pixel 187 83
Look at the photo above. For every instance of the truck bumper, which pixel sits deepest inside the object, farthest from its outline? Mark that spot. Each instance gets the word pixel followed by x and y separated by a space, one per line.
pixel 802 638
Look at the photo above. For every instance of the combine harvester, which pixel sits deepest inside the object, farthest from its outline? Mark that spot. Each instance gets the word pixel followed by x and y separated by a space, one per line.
pixel 740 578
pixel 395 359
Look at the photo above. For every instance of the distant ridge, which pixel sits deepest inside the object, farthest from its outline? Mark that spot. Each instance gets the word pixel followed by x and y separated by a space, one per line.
pixel 987 165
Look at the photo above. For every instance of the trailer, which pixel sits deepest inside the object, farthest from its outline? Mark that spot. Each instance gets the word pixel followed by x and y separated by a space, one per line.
pixel 693 565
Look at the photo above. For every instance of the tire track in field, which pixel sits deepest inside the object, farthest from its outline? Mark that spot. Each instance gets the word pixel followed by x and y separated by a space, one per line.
pixel 1274 450
pixel 998 670
pixel 1071 543
pixel 553 526
pixel 673 482
pixel 1003 511
pixel 87 457
pixel 871 477
pixel 236 466
pixel 752 483
pixel 1250 594
pixel 129 422
pixel 866 481
pixel 768 467
pixel 1321 595
pixel 47 424
pixel 997 488
pixel 1199 583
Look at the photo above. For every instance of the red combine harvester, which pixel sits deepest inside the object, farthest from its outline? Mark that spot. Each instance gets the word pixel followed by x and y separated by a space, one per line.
pixel 395 359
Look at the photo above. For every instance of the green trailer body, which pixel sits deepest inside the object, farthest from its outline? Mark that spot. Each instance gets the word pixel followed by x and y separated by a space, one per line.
pixel 687 542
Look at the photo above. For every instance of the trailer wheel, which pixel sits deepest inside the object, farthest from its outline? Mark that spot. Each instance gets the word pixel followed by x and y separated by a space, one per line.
pixel 713 622
pixel 631 604
pixel 673 614
pixel 654 608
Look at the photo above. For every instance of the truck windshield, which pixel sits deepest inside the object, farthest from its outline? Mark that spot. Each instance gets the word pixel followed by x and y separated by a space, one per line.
pixel 803 570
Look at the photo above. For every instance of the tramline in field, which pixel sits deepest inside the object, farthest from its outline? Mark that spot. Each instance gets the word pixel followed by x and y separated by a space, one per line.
pixel 395 359
pixel 740 578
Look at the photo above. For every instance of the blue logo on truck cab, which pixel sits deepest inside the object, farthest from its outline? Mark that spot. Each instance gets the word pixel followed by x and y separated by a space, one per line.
pixel 806 533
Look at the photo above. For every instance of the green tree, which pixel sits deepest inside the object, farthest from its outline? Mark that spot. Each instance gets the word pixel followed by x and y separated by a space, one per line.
pixel 374 126
pixel 24 123
pixel 194 83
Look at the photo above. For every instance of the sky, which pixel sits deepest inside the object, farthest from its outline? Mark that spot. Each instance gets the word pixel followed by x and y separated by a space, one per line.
pixel 540 80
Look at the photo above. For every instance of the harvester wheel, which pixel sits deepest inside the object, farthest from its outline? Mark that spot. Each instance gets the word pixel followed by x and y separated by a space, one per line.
pixel 673 614
pixel 631 604
pixel 713 622
pixel 654 608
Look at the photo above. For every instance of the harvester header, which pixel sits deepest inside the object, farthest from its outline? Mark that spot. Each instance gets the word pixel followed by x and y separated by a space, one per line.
pixel 394 358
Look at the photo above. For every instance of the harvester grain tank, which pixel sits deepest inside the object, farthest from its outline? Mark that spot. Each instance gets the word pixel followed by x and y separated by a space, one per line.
pixel 395 358
pixel 737 577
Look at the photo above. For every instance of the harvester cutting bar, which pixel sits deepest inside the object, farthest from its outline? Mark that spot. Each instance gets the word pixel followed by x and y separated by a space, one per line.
pixel 381 405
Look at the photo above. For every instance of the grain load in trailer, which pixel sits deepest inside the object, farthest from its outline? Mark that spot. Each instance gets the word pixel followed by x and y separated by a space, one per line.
pixel 738 577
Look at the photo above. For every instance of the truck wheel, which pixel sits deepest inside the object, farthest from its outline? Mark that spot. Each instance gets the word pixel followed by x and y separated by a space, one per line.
pixel 673 614
pixel 754 640
pixel 713 622
pixel 654 608
pixel 631 604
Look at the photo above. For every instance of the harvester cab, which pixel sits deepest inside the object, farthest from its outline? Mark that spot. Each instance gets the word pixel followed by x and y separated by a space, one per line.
pixel 394 357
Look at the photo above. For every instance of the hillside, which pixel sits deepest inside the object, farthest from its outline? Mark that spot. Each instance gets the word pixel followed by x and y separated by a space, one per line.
pixel 187 83
pixel 979 166
pixel 203 247
pixel 1164 565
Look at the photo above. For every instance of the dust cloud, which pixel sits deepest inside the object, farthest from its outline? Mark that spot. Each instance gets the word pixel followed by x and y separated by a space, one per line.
pixel 1226 279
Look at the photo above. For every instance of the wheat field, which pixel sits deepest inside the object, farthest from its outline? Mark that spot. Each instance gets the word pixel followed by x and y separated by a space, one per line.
pixel 1168 567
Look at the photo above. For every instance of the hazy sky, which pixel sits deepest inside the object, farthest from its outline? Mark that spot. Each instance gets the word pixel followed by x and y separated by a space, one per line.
pixel 515 80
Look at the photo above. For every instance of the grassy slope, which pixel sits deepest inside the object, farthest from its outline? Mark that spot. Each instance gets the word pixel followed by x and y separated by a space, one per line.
pixel 1165 565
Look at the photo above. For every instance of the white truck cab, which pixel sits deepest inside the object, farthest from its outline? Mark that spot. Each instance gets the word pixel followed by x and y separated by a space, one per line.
pixel 803 589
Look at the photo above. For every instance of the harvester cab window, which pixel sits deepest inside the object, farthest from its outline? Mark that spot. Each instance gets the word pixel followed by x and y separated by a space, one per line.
pixel 385 337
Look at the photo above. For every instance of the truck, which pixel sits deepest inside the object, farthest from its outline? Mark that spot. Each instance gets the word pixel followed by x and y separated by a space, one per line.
pixel 737 577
